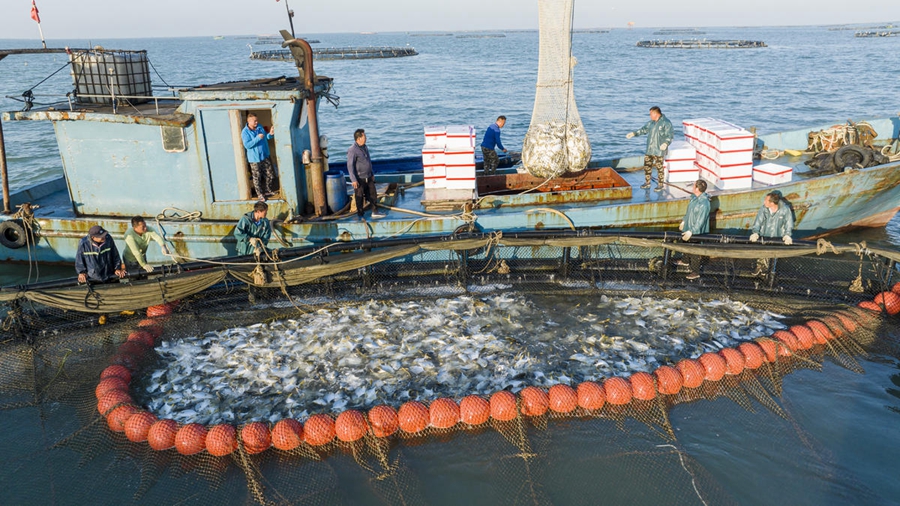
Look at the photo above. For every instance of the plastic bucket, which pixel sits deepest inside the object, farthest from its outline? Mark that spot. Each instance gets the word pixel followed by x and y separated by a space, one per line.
pixel 335 190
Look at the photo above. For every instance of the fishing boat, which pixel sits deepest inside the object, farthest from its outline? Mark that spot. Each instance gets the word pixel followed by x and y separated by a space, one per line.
pixel 179 162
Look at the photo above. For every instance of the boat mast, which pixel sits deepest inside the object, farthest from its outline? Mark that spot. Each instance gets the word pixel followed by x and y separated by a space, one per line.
pixel 290 15
pixel 3 173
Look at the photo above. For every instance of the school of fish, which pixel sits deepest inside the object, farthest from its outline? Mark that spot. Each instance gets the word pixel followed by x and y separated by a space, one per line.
pixel 364 354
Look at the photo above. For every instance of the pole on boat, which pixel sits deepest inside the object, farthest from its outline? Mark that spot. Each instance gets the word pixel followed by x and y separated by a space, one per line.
pixel 290 15
pixel 4 175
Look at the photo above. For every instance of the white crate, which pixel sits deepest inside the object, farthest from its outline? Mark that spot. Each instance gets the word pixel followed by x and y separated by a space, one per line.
pixel 730 171
pixel 460 136
pixel 435 177
pixel 772 173
pixel 680 150
pixel 734 157
pixel 734 182
pixel 432 155
pixel 734 141
pixel 682 172
pixel 710 178
pixel 436 135
pixel 460 167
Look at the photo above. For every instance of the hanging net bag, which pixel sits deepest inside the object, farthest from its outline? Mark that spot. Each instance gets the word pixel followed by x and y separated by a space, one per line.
pixel 556 142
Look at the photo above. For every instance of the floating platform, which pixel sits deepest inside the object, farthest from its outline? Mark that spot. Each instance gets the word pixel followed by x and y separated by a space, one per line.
pixel 702 44
pixel 338 53
pixel 889 33
pixel 687 31
pixel 481 36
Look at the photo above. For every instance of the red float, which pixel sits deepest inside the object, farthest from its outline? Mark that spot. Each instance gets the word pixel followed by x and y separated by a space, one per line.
pixel 770 347
pixel 535 401
pixel 851 320
pixel 384 421
pixel 112 399
pixel 692 373
pixel 109 384
pixel 714 366
pixel 804 335
pixel 133 348
pixel 443 413
pixel 563 398
pixel 221 440
pixel 350 426
pixel 896 288
pixel 668 380
pixel 161 435
pixel 870 305
pixel 414 417
pixel 116 371
pixel 117 417
pixel 822 330
pixel 734 361
pixel 618 391
pixel 890 301
pixel 191 439
pixel 788 339
pixel 754 356
pixel 590 395
pixel 152 327
pixel 256 437
pixel 159 310
pixel 474 410
pixel 138 425
pixel 287 434
pixel 503 406
pixel 642 386
pixel 142 337
pixel 318 430
pixel 125 360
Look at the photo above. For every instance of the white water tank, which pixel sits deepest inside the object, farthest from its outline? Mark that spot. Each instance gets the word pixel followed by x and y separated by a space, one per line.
pixel 99 75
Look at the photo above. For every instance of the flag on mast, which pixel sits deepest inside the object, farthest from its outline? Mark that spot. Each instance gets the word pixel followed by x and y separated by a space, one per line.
pixel 36 16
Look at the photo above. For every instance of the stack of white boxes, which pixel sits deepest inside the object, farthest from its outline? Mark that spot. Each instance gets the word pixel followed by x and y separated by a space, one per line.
pixel 681 163
pixel 772 173
pixel 724 152
pixel 448 161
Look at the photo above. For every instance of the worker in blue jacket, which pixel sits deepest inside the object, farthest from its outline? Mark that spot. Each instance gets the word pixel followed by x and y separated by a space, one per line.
pixel 659 134
pixel 253 230
pixel 774 219
pixel 262 170
pixel 489 144
pixel 97 259
pixel 696 221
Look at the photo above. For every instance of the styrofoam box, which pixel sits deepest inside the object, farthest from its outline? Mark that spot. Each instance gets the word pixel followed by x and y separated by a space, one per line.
pixel 734 157
pixel 460 136
pixel 772 173
pixel 436 135
pixel 460 167
pixel 435 177
pixel 710 178
pixel 729 171
pixel 734 141
pixel 680 150
pixel 432 155
pixel 735 182
pixel 682 172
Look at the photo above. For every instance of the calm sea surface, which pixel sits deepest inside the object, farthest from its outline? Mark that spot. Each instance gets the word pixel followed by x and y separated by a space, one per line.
pixel 839 443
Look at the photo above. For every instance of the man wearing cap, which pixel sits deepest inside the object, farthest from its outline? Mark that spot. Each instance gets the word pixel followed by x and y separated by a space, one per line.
pixel 97 259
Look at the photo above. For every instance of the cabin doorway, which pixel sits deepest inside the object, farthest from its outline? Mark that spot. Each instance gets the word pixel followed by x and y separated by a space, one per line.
pixel 264 119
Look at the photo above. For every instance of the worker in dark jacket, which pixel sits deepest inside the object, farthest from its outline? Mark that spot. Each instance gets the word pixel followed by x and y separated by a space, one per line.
pixel 659 134
pixel 253 230
pixel 490 143
pixel 359 166
pixel 696 222
pixel 97 259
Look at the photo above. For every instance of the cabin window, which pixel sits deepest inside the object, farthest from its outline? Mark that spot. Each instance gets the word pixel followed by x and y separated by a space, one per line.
pixel 173 139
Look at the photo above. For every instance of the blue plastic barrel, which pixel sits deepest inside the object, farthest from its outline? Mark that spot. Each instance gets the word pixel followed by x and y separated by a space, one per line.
pixel 335 190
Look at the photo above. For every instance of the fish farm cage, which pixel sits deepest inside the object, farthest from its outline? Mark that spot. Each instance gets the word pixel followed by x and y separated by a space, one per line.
pixel 702 44
pixel 371 356
pixel 885 33
pixel 337 53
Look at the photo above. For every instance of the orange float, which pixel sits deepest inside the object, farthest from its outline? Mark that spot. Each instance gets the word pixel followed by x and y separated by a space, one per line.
pixel 692 373
pixel 443 413
pixel 191 439
pixel 318 430
pixel 734 361
pixel 384 421
pixel 535 401
pixel 754 356
pixel 590 395
pixel 256 437
pixel 109 384
pixel 870 305
pixel 822 330
pixel 117 417
pixel 474 410
pixel 851 320
pixel 804 335
pixel 287 434
pixel 142 337
pixel 890 301
pixel 159 310
pixel 161 435
pixel 414 417
pixel 503 406
pixel 112 399
pixel 138 425
pixel 668 380
pixel 133 348
pixel 896 288
pixel 350 426
pixel 618 391
pixel 151 327
pixel 563 398
pixel 714 366
pixel 788 339
pixel 116 371
pixel 221 440
pixel 770 347
pixel 642 386
pixel 125 360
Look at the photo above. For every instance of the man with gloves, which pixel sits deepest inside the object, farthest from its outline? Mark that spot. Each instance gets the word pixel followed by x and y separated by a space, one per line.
pixel 696 221
pixel 774 219
pixel 659 135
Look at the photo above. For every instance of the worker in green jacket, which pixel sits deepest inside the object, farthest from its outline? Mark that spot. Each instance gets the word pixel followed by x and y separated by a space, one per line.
pixel 774 219
pixel 696 221
pixel 659 135
pixel 137 241
pixel 253 230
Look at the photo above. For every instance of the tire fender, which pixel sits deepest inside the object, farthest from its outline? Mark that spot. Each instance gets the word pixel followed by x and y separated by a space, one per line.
pixel 864 154
pixel 12 234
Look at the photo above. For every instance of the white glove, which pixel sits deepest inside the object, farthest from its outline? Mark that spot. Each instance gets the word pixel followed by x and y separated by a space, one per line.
pixel 681 226
pixel 148 268
pixel 787 240
pixel 754 237
pixel 629 135
pixel 663 146
pixel 686 236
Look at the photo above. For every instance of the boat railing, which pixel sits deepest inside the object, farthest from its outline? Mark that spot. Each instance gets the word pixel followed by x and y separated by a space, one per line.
pixel 115 99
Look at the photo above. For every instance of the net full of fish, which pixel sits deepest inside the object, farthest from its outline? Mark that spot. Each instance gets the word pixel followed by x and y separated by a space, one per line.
pixel 361 355
pixel 551 149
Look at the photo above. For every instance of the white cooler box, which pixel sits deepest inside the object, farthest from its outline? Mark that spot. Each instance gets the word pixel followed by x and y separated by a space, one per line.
pixel 735 177
pixel 460 166
pixel 772 173
pixel 733 141
pixel 680 160
pixel 460 136
pixel 433 167
pixel 435 136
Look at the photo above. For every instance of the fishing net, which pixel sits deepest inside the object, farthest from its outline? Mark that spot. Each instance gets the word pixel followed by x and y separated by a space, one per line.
pixel 567 400
pixel 556 141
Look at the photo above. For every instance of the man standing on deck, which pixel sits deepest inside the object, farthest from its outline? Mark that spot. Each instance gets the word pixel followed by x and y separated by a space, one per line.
pixel 696 221
pixel 262 170
pixel 774 219
pixel 137 240
pixel 359 166
pixel 253 230
pixel 659 135
pixel 97 259
pixel 488 145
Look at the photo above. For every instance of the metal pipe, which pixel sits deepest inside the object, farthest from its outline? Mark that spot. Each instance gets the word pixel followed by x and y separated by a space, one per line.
pixel 4 174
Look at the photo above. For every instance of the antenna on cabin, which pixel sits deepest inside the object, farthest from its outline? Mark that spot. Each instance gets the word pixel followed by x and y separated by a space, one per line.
pixel 290 15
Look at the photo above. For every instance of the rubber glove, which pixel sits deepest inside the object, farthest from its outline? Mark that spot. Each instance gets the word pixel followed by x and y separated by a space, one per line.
pixel 681 226
pixel 629 135
pixel 148 268
pixel 686 236
pixel 663 146
pixel 787 240
pixel 754 237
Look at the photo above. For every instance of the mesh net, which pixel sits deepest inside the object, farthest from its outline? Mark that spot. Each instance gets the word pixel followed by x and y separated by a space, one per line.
pixel 85 419
pixel 556 141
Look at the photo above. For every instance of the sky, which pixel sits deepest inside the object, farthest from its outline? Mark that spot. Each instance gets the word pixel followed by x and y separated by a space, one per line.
pixel 183 18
